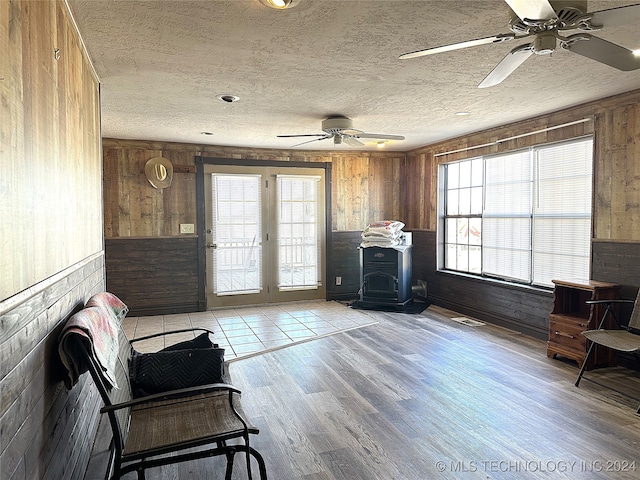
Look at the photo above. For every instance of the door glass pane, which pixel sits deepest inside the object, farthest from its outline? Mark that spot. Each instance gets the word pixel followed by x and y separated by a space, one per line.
pixel 237 234
pixel 298 243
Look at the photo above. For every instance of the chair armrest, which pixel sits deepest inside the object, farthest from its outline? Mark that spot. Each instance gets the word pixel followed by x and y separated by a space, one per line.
pixel 183 392
pixel 161 334
pixel 612 300
pixel 609 311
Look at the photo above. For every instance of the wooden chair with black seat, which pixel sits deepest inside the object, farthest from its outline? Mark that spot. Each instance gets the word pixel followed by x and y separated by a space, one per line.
pixel 158 428
pixel 625 339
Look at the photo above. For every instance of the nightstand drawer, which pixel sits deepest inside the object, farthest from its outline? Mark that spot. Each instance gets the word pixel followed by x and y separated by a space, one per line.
pixel 571 321
pixel 567 334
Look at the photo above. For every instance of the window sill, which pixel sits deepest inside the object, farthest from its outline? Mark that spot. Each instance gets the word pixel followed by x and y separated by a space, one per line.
pixel 497 282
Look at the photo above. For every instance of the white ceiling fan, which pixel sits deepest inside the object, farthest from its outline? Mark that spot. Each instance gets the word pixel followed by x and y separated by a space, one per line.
pixel 545 20
pixel 341 129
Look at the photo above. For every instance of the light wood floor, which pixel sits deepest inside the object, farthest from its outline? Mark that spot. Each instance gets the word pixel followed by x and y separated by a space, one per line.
pixel 423 397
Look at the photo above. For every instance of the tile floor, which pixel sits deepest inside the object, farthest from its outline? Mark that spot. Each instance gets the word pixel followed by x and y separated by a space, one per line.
pixel 250 330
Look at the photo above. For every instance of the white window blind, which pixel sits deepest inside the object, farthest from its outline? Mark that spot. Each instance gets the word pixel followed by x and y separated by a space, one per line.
pixel 506 229
pixel 237 234
pixel 562 211
pixel 298 242
pixel 535 224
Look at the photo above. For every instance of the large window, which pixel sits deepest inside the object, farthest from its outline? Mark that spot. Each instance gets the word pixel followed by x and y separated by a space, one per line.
pixel 523 216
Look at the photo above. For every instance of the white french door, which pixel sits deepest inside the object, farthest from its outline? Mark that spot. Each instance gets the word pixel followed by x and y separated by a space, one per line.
pixel 265 234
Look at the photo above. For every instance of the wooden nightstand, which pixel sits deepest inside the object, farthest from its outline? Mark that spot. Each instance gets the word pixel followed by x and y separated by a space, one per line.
pixel 571 316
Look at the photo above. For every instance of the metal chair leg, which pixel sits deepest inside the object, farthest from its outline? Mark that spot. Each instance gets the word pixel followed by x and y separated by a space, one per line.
pixel 262 468
pixel 584 364
pixel 229 470
pixel 246 442
pixel 607 311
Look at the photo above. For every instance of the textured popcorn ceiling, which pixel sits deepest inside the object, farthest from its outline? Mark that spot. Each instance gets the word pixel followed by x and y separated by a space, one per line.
pixel 162 63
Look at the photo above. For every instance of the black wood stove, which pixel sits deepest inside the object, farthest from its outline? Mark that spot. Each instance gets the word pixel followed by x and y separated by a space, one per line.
pixel 385 277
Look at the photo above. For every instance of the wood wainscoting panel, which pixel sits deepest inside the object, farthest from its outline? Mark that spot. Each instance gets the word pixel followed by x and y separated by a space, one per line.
pixel 516 307
pixel 154 276
pixel 519 308
pixel 617 262
pixel 47 431
pixel 344 263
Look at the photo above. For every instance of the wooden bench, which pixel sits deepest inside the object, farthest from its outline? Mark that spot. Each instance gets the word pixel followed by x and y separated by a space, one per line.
pixel 163 428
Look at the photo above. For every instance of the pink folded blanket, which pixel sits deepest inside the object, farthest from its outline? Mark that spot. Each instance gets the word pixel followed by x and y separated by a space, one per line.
pixel 99 333
pixel 116 308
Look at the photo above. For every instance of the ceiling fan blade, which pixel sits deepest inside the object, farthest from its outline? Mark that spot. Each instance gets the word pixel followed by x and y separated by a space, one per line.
pixel 532 9
pixel 502 37
pixel 352 141
pixel 613 17
pixel 307 135
pixel 602 51
pixel 314 140
pixel 507 66
pixel 380 136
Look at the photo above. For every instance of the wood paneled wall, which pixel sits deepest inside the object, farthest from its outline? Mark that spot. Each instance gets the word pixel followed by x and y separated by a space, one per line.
pixel 345 264
pixel 132 207
pixel 365 187
pixel 50 186
pixel 52 220
pixel 368 187
pixel 51 241
pixel 615 123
